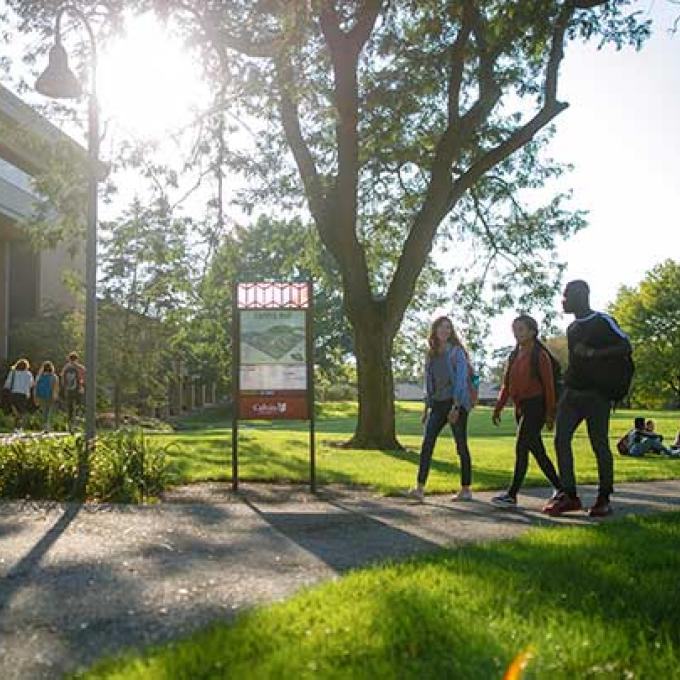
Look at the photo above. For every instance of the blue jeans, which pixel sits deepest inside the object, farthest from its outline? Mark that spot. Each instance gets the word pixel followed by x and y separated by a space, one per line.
pixel 647 444
pixel 435 423
pixel 574 407
pixel 47 408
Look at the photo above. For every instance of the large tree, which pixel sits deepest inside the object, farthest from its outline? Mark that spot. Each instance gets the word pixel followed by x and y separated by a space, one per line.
pixel 650 313
pixel 406 121
pixel 400 115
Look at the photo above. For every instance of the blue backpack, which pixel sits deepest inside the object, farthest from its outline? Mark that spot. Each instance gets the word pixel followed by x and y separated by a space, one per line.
pixel 43 389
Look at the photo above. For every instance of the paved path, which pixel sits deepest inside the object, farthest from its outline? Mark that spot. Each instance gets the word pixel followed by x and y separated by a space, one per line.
pixel 78 582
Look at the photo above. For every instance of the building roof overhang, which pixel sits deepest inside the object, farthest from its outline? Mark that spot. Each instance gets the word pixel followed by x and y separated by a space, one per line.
pixel 17 118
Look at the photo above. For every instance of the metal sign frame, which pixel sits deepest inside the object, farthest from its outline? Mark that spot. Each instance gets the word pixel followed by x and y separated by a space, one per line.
pixel 272 296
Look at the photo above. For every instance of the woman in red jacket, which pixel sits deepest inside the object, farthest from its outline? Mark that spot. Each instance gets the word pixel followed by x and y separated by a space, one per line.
pixel 530 381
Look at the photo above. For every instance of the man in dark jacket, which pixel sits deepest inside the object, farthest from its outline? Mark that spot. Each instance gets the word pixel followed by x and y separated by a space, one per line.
pixel 599 359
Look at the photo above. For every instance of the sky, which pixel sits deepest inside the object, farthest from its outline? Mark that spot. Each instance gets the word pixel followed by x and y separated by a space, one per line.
pixel 621 132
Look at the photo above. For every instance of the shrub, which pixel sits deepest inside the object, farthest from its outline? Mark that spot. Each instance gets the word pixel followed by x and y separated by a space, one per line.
pixel 125 467
pixel 39 469
pixel 336 392
pixel 128 467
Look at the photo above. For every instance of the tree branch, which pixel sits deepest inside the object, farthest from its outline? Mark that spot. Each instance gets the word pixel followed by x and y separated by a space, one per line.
pixel 303 156
pixel 550 109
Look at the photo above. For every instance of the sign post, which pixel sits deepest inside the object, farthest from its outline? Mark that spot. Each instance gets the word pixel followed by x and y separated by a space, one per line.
pixel 272 358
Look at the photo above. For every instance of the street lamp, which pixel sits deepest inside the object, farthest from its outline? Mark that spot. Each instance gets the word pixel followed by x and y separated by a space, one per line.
pixel 58 81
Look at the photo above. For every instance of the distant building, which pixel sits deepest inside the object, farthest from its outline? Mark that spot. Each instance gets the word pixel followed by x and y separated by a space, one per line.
pixel 488 393
pixel 408 391
pixel 413 391
pixel 30 281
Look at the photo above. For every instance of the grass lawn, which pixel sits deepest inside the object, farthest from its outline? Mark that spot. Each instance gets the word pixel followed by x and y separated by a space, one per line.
pixel 592 602
pixel 279 451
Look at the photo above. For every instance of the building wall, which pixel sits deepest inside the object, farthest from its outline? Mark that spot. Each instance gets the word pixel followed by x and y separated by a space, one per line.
pixel 30 282
pixel 53 265
pixel 4 298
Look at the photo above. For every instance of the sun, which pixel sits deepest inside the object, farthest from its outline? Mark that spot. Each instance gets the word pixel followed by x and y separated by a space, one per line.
pixel 148 86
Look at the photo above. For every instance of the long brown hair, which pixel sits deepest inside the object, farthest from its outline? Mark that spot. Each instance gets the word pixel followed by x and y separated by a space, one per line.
pixel 433 340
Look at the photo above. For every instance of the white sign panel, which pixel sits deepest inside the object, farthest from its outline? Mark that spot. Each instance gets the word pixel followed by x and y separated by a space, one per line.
pixel 273 377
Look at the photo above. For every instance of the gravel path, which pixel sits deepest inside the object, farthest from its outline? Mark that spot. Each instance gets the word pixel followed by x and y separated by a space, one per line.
pixel 80 581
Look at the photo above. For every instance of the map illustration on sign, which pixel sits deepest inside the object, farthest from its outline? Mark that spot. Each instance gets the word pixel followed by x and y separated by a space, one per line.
pixel 273 337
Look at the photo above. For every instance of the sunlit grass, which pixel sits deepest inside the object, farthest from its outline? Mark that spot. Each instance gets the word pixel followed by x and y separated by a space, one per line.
pixel 592 602
pixel 279 450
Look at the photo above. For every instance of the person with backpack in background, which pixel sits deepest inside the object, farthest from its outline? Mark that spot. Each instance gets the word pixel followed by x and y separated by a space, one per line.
pixel 73 383
pixel 450 395
pixel 599 374
pixel 19 383
pixel 47 392
pixel 530 378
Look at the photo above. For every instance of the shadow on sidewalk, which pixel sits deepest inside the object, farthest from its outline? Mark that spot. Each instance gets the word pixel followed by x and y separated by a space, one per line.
pixel 27 564
pixel 345 539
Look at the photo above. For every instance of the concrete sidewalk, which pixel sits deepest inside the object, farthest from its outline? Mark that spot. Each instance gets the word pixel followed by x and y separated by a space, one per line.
pixel 81 581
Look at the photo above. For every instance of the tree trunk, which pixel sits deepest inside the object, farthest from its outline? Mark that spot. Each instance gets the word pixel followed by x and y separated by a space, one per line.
pixel 376 424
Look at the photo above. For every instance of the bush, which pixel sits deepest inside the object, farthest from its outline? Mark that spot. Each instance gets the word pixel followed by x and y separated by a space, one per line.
pixel 39 469
pixel 336 392
pixel 128 468
pixel 125 467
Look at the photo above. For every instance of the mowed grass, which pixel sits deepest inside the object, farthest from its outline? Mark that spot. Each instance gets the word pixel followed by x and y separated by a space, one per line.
pixel 279 451
pixel 592 602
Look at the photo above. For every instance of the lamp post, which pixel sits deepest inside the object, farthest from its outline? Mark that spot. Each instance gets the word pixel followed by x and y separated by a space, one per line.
pixel 58 81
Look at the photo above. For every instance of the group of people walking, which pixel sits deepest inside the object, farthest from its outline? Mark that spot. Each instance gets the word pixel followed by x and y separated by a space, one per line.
pixel 22 390
pixel 599 373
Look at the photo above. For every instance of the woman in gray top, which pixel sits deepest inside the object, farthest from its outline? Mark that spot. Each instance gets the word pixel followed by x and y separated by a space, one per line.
pixel 448 399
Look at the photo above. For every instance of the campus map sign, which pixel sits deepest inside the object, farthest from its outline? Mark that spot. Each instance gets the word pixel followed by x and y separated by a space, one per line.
pixel 273 337
pixel 272 355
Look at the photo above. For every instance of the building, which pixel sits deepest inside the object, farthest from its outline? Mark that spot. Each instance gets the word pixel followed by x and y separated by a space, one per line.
pixel 30 281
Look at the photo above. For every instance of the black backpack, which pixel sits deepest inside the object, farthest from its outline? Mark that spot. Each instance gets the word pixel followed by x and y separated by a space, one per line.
pixel 615 376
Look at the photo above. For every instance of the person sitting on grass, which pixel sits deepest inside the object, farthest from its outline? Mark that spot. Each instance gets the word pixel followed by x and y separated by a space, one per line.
pixel 448 399
pixel 530 381
pixel 643 439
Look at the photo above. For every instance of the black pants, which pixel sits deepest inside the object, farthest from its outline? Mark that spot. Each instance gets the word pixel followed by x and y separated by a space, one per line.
pixel 574 407
pixel 435 422
pixel 531 421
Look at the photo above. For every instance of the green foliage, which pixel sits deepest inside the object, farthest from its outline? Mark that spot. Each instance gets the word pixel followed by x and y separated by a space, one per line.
pixel 145 284
pixel 461 613
pixel 126 467
pixel 39 469
pixel 650 314
pixel 48 337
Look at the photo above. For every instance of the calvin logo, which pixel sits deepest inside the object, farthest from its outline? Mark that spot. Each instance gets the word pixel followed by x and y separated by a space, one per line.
pixel 270 409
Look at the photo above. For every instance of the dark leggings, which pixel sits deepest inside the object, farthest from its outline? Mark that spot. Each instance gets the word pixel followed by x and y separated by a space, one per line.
pixel 531 419
pixel 435 422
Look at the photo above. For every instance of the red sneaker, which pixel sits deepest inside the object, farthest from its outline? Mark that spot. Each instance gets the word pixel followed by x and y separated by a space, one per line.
pixel 601 508
pixel 562 503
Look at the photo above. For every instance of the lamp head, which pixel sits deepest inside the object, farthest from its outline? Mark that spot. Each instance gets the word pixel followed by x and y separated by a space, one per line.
pixel 57 80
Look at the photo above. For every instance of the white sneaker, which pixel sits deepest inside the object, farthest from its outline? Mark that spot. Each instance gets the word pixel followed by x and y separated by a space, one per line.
pixel 462 495
pixel 416 494
pixel 505 500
